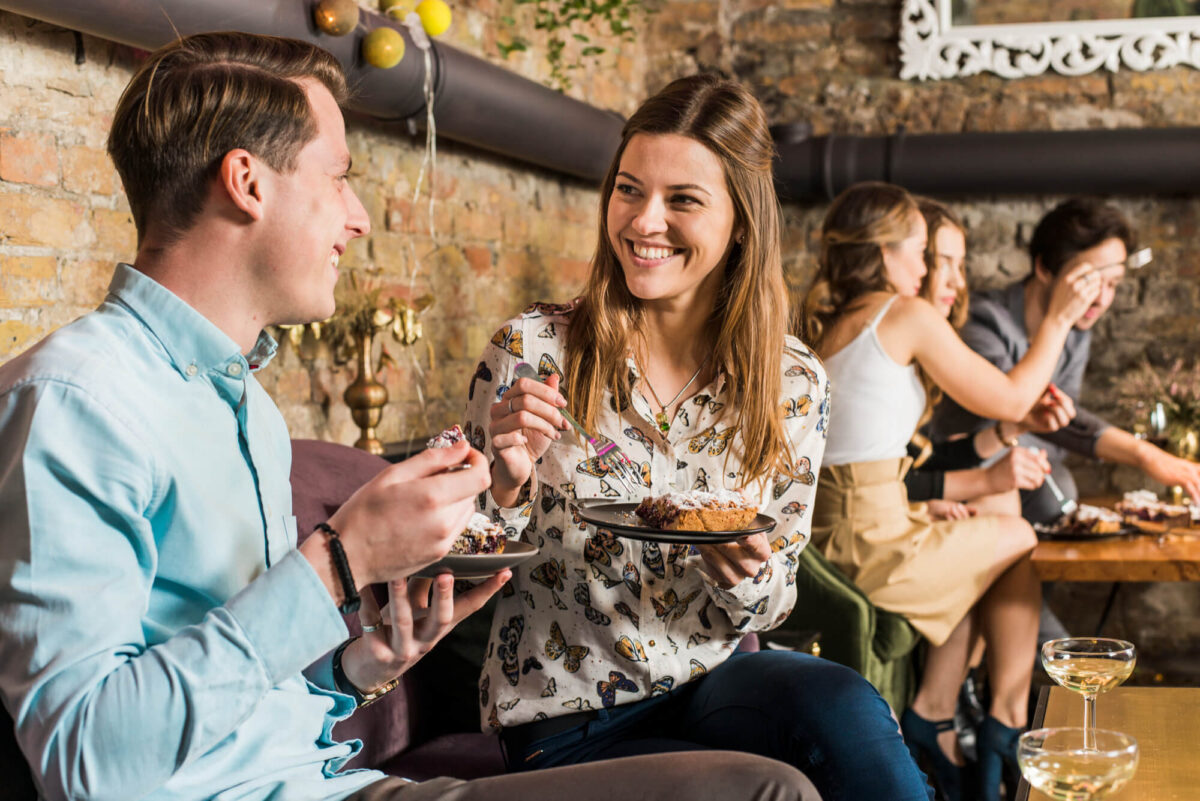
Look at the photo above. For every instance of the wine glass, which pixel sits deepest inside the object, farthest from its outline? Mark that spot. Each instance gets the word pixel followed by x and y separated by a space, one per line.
pixel 1089 666
pixel 1157 428
pixel 1062 764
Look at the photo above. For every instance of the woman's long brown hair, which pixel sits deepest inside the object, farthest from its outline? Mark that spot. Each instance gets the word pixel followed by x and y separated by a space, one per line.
pixel 750 317
pixel 860 222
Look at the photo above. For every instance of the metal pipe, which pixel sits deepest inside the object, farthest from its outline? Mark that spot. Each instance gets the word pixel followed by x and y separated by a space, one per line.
pixel 1126 161
pixel 476 102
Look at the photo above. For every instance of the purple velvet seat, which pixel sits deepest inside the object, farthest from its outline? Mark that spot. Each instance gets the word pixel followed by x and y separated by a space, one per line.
pixel 324 475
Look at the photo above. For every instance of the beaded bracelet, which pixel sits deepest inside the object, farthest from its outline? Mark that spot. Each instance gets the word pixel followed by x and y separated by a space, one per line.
pixel 341 566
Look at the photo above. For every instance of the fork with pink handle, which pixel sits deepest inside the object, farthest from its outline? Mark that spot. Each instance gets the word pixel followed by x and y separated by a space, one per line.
pixel 618 464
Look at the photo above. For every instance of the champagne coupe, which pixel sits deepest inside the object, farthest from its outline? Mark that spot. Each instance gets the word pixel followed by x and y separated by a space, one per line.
pixel 1062 764
pixel 1089 666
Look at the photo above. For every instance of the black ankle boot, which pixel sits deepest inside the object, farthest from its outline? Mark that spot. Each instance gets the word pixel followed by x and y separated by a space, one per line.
pixel 921 737
pixel 997 748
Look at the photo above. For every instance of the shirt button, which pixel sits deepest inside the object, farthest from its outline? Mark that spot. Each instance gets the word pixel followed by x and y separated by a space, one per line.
pixel 651 643
pixel 191 370
pixel 235 369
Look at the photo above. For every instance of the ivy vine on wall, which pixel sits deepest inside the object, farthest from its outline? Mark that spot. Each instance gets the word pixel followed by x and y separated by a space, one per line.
pixel 567 21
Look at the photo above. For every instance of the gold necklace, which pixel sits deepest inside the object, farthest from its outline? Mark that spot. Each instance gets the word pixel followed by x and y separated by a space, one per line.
pixel 664 422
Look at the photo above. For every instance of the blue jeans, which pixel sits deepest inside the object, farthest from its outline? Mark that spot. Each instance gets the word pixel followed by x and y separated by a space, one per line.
pixel 813 714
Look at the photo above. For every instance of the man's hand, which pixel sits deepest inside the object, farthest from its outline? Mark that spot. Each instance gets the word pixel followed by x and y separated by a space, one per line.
pixel 1020 468
pixel 940 509
pixel 412 624
pixel 1170 470
pixel 403 519
pixel 731 562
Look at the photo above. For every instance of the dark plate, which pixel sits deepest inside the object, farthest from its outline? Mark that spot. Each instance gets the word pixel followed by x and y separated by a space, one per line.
pixel 1048 531
pixel 620 520
pixel 479 565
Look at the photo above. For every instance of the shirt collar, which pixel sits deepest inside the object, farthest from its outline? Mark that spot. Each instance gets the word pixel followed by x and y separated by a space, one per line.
pixel 192 342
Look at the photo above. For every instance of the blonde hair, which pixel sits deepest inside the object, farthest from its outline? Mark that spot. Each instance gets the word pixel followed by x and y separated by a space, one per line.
pixel 937 216
pixel 197 98
pixel 860 222
pixel 750 317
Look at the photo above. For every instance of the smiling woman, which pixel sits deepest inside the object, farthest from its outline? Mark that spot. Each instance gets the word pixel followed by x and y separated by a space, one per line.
pixel 612 645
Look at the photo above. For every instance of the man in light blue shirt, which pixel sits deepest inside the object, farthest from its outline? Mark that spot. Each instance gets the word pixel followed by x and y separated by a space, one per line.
pixel 155 612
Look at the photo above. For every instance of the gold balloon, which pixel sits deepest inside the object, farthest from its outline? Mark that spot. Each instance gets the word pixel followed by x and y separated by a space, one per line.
pixel 383 48
pixel 336 17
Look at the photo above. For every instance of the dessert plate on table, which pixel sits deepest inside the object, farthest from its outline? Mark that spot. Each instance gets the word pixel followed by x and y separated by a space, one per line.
pixel 1086 523
pixel 479 565
pixel 1058 531
pixel 620 520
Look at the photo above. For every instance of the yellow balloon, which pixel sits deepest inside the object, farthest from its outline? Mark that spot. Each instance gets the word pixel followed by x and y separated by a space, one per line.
pixel 383 48
pixel 435 16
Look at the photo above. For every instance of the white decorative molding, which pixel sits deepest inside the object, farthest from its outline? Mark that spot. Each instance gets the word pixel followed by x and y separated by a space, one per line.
pixel 932 48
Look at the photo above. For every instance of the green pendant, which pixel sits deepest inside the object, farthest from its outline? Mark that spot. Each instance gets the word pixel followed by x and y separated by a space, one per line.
pixel 664 424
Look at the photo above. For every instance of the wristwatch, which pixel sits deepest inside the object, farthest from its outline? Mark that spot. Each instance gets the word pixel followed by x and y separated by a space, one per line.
pixel 345 686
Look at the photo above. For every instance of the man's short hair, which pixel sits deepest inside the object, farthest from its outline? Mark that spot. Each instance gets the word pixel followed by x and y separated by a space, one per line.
pixel 1074 226
pixel 198 98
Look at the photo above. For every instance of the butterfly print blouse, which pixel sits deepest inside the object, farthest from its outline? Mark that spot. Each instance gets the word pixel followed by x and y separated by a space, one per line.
pixel 596 620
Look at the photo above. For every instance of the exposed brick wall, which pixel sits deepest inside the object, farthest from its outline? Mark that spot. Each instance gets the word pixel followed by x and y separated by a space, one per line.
pixel 510 234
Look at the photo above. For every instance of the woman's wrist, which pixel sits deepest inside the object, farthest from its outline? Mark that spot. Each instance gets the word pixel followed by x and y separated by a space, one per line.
pixel 505 491
pixel 1007 436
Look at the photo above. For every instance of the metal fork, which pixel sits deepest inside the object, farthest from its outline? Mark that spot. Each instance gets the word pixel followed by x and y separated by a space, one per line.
pixel 619 465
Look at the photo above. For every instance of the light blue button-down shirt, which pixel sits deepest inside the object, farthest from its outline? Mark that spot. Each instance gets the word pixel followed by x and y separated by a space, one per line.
pixel 154 613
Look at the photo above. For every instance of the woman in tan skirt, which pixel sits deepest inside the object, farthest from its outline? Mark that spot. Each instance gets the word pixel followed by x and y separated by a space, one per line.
pixel 949 578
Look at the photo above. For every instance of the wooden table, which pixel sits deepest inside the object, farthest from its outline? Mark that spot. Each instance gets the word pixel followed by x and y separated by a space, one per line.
pixel 1164 720
pixel 1158 556
pixel 1141 557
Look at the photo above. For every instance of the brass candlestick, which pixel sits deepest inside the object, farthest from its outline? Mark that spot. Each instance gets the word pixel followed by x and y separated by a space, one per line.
pixel 350 332
pixel 366 396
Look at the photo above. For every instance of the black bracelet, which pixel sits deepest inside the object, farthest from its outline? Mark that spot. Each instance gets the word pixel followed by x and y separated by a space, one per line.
pixel 342 566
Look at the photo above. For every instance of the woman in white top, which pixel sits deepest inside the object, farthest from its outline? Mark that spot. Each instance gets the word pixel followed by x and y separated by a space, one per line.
pixel 867 321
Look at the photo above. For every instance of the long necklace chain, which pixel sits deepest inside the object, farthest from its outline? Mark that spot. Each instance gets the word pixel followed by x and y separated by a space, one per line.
pixel 664 422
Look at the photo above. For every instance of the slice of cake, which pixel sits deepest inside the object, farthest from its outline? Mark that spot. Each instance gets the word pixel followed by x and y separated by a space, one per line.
pixel 480 536
pixel 723 510
pixel 451 436
pixel 1091 520
pixel 1144 506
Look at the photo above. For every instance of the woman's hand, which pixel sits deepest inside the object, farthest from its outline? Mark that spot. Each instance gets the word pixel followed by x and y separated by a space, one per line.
pixel 730 563
pixel 1020 468
pixel 410 625
pixel 1054 410
pixel 523 424
pixel 940 509
pixel 1072 293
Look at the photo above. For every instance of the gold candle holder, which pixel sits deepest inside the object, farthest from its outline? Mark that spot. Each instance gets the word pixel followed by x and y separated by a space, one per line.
pixel 361 315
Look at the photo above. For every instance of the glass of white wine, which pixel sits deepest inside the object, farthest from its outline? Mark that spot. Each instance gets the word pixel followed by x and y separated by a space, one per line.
pixel 1089 666
pixel 1063 765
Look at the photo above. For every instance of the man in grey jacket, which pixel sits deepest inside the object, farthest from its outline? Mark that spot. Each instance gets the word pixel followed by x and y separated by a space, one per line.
pixel 1002 323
